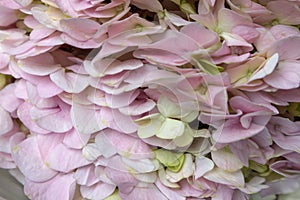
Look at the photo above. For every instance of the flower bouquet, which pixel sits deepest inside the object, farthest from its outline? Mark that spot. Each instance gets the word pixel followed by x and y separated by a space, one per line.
pixel 151 100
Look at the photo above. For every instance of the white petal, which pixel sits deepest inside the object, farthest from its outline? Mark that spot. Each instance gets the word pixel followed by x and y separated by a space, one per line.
pixel 203 165
pixel 267 69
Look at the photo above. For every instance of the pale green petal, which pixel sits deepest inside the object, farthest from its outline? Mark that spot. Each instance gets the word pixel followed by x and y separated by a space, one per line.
pixel 204 133
pixel 181 111
pixel 2 81
pixel 146 119
pixel 170 129
pixel 150 126
pixel 114 196
pixel 186 171
pixel 241 74
pixel 185 139
pixel 142 165
pixel 163 179
pixel 168 108
pixel 146 177
pixel 190 116
pixel 173 161
pixel 207 66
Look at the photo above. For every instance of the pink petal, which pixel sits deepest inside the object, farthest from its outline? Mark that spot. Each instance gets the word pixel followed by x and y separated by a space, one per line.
pixel 281 31
pixel 286 12
pixel 36 100
pixel 52 88
pixel 88 44
pixel 10 4
pixel 284 186
pixel 113 66
pixel 223 193
pixel 127 24
pixel 207 39
pixel 50 41
pixel 54 119
pixel 85 119
pixel 65 160
pixel 86 175
pixel 69 82
pixel 74 139
pixel 285 168
pixel 287 142
pixel 40 65
pixel 61 186
pixel 97 191
pixel 104 145
pixel 124 180
pixel 170 194
pixel 4 60
pixel 7 16
pixel 186 189
pixel 132 147
pixel 41 33
pixel 233 131
pixel 285 76
pixel 122 123
pixel 241 150
pixel 10 140
pixel 31 162
pixel 228 19
pixel 79 29
pixel 24 115
pixel 148 192
pixel 91 152
pixel 6 121
pixel 153 6
pixel 249 34
pixel 121 100
pixel 6 161
pixel 286 48
pixel 138 107
pixel 160 56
